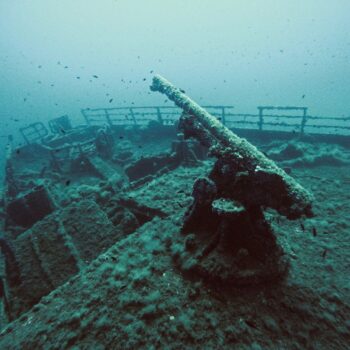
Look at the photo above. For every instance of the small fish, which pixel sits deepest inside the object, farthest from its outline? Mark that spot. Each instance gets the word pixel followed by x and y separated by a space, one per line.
pixel 183 91
pixel 95 76
pixel 314 232
pixel 18 151
pixel 324 253
pixel 303 96
pixel 62 130
pixel 121 137
pixel 302 227
pixel 39 66
pixel 144 79
pixel 180 205
pixel 67 183
pixel 77 77
pixel 111 100
pixel 151 71
pixel 65 67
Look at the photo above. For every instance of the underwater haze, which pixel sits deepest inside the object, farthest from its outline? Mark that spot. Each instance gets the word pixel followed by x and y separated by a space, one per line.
pixel 174 174
pixel 241 53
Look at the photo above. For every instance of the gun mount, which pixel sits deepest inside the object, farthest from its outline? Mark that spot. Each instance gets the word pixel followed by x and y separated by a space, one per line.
pixel 228 237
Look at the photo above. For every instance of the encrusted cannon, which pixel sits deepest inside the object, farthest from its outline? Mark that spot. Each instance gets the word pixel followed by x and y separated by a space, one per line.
pixel 228 236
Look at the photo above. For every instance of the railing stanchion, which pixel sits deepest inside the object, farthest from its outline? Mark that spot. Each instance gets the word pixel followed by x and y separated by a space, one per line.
pixel 223 116
pixel 133 115
pixel 86 117
pixel 108 118
pixel 261 118
pixel 159 115
pixel 303 121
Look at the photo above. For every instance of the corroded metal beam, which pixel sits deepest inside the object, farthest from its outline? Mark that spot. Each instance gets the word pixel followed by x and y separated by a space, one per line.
pixel 242 172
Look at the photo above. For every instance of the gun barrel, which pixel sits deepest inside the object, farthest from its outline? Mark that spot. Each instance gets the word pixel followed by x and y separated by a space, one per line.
pixel 272 185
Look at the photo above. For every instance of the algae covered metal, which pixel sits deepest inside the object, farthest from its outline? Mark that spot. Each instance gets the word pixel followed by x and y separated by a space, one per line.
pixel 226 237
pixel 245 172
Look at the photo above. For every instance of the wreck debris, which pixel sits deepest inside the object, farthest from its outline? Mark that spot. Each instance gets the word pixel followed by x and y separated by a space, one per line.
pixel 183 152
pixel 27 209
pixel 53 250
pixel 60 125
pixel 188 152
pixel 230 239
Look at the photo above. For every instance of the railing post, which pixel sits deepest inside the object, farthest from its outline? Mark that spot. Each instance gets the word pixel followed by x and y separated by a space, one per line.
pixel 108 118
pixel 132 115
pixel 303 121
pixel 223 115
pixel 159 115
pixel 261 118
pixel 85 117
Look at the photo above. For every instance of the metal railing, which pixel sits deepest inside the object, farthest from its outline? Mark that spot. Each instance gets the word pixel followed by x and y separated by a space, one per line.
pixel 34 132
pixel 267 118
pixel 143 115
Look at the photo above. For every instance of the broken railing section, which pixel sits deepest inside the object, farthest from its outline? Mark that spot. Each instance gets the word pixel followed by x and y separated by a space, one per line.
pixel 228 237
pixel 33 133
